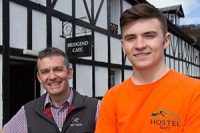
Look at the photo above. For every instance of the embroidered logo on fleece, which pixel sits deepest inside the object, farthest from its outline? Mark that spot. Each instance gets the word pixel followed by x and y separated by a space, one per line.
pixel 165 120
pixel 76 122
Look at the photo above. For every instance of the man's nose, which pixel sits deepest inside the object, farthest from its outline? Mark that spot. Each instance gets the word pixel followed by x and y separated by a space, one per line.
pixel 140 43
pixel 52 75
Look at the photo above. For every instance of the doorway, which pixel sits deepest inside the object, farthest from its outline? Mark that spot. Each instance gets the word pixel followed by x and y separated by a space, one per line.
pixel 24 85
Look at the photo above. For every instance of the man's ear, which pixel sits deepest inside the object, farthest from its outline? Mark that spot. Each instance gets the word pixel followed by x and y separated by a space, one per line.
pixel 70 73
pixel 38 76
pixel 167 40
pixel 122 45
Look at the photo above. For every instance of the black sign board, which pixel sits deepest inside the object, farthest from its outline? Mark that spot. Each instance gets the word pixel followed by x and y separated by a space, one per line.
pixel 79 46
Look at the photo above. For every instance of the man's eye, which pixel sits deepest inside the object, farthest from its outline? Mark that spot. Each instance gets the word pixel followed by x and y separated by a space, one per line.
pixel 58 70
pixel 44 72
pixel 149 36
pixel 131 38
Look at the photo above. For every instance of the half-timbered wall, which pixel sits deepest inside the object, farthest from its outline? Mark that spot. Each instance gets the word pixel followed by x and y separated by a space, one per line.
pixel 37 24
pixel 183 57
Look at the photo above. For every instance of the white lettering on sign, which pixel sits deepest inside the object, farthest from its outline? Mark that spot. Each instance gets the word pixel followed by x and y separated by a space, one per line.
pixel 79 49
pixel 77 44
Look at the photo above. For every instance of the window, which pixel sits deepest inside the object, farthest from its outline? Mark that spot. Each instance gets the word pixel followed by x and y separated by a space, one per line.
pixel 172 18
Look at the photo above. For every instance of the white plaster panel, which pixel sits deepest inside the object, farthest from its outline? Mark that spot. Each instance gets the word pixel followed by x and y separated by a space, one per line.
pixel 126 5
pixel 116 51
pixel 101 47
pixel 101 81
pixel 115 11
pixel 57 41
pixel 39 31
pixel 18 26
pixel 81 10
pixel 118 76
pixel 41 2
pixel 127 74
pixel 102 18
pixel 64 6
pixel 127 62
pixel 84 79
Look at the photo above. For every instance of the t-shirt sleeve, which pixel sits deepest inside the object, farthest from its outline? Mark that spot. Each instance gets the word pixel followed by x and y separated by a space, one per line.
pixel 106 120
pixel 17 124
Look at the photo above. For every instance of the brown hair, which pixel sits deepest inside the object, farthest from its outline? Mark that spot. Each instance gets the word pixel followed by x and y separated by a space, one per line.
pixel 52 51
pixel 142 11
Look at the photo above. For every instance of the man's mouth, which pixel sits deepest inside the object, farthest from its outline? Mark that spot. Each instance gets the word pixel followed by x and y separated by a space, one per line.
pixel 141 54
pixel 54 84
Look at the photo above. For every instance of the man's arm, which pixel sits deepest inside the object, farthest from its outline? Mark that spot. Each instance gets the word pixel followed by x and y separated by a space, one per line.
pixel 18 123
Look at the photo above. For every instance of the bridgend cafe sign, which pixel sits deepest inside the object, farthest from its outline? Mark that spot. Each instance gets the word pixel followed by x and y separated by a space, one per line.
pixel 79 46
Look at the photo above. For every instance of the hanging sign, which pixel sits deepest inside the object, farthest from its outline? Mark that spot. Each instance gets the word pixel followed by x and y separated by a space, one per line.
pixel 79 46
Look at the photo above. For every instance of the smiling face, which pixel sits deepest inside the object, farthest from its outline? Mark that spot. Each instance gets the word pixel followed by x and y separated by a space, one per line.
pixel 143 42
pixel 53 75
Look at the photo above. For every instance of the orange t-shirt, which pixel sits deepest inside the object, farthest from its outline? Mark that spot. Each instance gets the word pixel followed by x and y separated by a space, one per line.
pixel 169 105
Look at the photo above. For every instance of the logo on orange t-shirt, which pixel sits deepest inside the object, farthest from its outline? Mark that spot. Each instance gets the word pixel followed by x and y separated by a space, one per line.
pixel 164 119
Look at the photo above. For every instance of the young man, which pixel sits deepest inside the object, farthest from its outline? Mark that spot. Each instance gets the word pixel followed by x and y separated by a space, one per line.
pixel 61 109
pixel 155 98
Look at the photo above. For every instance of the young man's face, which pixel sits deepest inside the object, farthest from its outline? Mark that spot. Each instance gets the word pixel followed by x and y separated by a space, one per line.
pixel 54 75
pixel 143 42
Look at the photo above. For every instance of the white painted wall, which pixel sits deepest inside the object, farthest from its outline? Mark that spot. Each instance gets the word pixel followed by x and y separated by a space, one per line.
pixel 64 6
pixel 101 47
pixel 84 79
pixel 126 5
pixel 41 2
pixel 81 11
pixel 127 62
pixel 18 26
pixel 118 76
pixel 115 50
pixel 101 80
pixel 115 11
pixel 39 31
pixel 127 74
pixel 57 41
pixel 102 19
pixel 179 48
